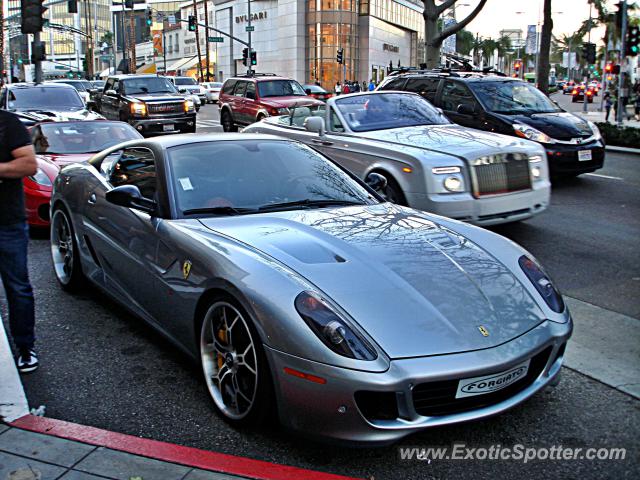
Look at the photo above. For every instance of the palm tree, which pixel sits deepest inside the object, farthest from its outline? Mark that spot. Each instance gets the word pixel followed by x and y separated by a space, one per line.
pixel 464 42
pixel 488 47
pixel 503 46
pixel 542 75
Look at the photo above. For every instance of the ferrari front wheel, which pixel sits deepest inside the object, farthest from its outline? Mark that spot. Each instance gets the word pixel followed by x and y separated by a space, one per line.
pixel 234 364
pixel 64 251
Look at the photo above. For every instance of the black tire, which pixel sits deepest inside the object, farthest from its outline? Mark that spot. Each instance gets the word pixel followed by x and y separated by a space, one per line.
pixel 261 408
pixel 259 118
pixel 392 192
pixel 227 122
pixel 574 100
pixel 189 130
pixel 68 272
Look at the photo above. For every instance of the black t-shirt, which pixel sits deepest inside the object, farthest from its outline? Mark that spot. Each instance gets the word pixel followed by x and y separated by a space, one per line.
pixel 13 134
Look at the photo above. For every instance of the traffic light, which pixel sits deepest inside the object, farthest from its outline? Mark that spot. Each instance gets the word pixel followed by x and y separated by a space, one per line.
pixel 619 15
pixel 517 65
pixel 340 55
pixel 72 6
pixel 616 70
pixel 245 55
pixel 38 52
pixel 254 57
pixel 31 13
pixel 149 17
pixel 128 4
pixel 192 23
pixel 632 43
pixel 608 67
pixel 589 53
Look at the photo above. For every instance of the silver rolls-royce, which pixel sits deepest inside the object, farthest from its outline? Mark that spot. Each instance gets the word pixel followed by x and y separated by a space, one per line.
pixel 430 163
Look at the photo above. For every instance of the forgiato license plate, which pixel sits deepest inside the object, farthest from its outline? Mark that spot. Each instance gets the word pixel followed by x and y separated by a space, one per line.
pixel 168 128
pixel 584 155
pixel 469 387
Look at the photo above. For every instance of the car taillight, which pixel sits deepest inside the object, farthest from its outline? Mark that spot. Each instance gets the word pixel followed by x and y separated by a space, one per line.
pixel 574 91
pixel 589 92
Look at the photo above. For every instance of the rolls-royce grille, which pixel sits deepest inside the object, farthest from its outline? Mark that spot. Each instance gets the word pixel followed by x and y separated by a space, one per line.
pixel 439 398
pixel 165 108
pixel 502 173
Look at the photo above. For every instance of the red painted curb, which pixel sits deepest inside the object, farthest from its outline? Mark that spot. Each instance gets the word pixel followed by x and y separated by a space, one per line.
pixel 167 452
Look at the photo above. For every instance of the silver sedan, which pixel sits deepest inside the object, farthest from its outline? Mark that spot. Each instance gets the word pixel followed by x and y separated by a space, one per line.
pixel 301 293
pixel 430 163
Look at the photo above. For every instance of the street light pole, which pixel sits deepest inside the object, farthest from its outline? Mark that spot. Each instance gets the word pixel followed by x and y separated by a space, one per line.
pixel 585 108
pixel 250 71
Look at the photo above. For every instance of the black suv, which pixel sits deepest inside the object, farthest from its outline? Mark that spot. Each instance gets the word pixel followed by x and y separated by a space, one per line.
pixel 510 106
pixel 149 103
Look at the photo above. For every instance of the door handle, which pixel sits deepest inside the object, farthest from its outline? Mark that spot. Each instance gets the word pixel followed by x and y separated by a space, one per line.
pixel 321 142
pixel 92 199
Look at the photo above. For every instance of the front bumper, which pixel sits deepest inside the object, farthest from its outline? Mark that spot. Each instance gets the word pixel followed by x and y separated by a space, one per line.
pixel 490 210
pixel 563 159
pixel 156 126
pixel 36 204
pixel 331 409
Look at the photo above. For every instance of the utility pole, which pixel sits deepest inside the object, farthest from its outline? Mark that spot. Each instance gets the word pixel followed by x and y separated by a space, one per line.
pixel 586 82
pixel 623 34
pixel 3 65
pixel 132 41
pixel 249 28
pixel 206 37
pixel 195 14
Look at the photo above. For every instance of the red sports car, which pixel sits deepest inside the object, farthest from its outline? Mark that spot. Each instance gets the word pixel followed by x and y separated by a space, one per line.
pixel 60 143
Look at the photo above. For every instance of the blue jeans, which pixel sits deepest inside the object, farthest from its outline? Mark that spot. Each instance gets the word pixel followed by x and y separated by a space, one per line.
pixel 14 240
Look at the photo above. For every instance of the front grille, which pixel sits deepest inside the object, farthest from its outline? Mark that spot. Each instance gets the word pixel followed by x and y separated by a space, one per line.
pixel 439 398
pixel 503 173
pixel 155 108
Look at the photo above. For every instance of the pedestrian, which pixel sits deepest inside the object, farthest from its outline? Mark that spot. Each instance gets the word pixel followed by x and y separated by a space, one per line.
pixel 364 86
pixel 17 160
pixel 345 87
pixel 636 106
pixel 372 86
pixel 337 89
pixel 607 105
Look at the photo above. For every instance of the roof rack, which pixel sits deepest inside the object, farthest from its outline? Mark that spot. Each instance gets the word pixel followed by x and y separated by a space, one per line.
pixel 256 74
pixel 453 72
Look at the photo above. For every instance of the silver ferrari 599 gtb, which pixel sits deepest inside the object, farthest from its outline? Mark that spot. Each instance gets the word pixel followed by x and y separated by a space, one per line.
pixel 301 291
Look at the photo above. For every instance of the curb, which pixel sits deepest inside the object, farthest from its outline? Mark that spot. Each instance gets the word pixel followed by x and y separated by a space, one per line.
pixel 613 148
pixel 13 401
pixel 168 452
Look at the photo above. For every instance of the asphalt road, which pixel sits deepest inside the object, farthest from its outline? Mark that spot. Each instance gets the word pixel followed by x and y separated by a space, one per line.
pixel 105 368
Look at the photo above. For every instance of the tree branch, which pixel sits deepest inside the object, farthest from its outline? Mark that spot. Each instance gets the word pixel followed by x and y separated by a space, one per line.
pixel 455 28
pixel 443 6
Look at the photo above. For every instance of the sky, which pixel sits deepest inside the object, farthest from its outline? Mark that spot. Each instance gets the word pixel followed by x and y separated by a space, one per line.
pixel 501 14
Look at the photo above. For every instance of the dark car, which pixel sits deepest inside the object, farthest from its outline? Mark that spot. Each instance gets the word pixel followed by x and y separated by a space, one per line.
pixel 149 103
pixel 582 91
pixel 510 106
pixel 44 102
pixel 317 92
pixel 568 87
pixel 245 100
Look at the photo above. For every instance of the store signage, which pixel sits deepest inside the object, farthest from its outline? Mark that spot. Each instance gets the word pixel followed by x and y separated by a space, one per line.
pixel 254 17
pixel 216 39
pixel 390 48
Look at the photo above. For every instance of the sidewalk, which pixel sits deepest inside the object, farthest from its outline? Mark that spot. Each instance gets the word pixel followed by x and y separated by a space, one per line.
pixel 595 115
pixel 40 448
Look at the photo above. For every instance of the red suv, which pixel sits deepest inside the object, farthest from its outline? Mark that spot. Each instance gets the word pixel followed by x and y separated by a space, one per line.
pixel 245 100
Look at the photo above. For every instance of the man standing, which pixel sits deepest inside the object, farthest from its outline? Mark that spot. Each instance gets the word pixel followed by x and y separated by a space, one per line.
pixel 17 160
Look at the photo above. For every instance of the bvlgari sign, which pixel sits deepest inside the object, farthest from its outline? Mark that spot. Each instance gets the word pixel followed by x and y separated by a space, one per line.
pixel 390 48
pixel 254 17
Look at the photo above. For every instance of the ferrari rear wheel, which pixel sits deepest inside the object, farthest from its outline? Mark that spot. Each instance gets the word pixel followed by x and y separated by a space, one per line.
pixel 64 251
pixel 234 364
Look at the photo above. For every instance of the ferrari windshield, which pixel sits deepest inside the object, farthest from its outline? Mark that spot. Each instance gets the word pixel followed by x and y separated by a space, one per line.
pixel 512 97
pixel 56 98
pixel 364 113
pixel 250 176
pixel 80 137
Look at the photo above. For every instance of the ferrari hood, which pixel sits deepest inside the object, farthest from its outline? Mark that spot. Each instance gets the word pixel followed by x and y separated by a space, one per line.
pixel 60 115
pixel 417 288
pixel 453 139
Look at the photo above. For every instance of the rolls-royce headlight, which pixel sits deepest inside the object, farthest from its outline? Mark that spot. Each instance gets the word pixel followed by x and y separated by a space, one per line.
pixel 535 162
pixel 542 283
pixel 448 179
pixel 528 132
pixel 334 331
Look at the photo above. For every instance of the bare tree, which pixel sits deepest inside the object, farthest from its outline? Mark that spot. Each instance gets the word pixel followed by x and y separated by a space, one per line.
pixel 433 35
pixel 542 74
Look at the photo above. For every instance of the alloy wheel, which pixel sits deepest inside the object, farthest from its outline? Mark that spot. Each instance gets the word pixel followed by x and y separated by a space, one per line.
pixel 62 250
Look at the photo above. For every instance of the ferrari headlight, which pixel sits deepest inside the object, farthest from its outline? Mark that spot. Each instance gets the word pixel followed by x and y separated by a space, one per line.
pixel 139 108
pixel 595 130
pixel 41 178
pixel 334 331
pixel 542 283
pixel 526 131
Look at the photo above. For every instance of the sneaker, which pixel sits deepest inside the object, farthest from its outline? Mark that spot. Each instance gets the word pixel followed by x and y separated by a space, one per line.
pixel 27 361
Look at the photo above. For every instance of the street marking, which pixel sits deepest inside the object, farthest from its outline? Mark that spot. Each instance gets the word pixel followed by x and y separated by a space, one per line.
pixel 603 176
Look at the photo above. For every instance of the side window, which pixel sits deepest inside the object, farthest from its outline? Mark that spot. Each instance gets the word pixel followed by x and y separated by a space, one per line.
pixel 228 87
pixel 241 87
pixel 117 86
pixel 109 85
pixel 251 91
pixel 336 124
pixel 454 94
pixel 136 166
pixel 395 84
pixel 427 87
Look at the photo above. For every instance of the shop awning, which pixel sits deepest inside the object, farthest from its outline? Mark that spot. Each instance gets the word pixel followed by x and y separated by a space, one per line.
pixel 183 63
pixel 147 68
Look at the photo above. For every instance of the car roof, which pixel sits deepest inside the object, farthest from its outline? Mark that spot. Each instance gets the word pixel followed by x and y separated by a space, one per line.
pixel 463 76
pixel 260 78
pixel 134 75
pixel 44 84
